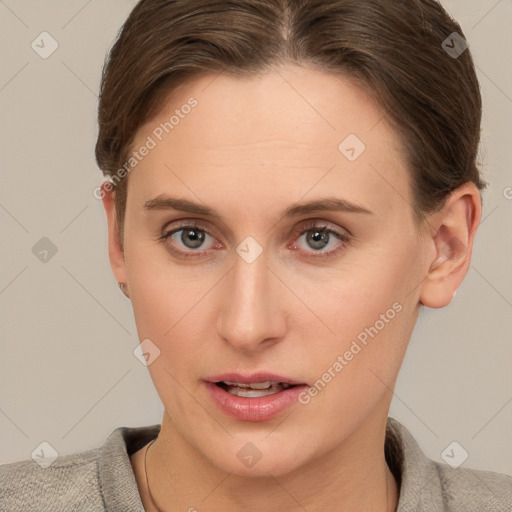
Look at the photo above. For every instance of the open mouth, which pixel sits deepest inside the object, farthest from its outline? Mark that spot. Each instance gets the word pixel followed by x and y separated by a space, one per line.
pixel 253 390
pixel 255 397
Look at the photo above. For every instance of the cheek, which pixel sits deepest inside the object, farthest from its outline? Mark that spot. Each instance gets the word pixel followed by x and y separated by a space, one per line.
pixel 173 307
pixel 354 295
pixel 161 292
pixel 358 365
pixel 367 314
pixel 165 309
pixel 168 311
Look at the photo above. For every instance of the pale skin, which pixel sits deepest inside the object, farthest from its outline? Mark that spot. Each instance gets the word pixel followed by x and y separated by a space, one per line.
pixel 249 150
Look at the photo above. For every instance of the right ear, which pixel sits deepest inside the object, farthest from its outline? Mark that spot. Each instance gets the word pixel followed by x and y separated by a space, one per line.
pixel 115 247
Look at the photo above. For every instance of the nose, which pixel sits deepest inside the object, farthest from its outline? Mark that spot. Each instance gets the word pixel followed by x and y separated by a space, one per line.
pixel 251 313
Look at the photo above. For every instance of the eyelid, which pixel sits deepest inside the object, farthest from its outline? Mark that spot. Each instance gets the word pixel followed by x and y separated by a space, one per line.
pixel 321 223
pixel 186 223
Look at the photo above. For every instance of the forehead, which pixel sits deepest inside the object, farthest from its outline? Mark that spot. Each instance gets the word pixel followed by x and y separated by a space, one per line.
pixel 290 132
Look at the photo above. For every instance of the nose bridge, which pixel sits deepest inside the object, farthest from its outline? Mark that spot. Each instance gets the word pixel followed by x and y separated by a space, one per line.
pixel 248 316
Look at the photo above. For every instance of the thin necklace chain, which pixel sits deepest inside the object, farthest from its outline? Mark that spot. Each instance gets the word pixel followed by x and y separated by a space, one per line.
pixel 147 481
pixel 156 506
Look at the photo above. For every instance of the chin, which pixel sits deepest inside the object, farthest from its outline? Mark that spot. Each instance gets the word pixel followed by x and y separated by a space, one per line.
pixel 254 458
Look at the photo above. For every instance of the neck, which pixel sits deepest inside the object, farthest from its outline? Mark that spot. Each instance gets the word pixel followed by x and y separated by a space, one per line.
pixel 353 476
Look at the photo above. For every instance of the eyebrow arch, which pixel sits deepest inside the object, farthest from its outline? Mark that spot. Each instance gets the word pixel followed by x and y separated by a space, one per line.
pixel 166 202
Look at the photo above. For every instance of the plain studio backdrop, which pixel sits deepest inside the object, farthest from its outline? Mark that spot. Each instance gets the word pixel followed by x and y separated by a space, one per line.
pixel 68 372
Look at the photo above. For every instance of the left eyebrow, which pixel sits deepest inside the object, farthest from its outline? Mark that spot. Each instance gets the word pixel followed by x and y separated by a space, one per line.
pixel 166 202
pixel 332 204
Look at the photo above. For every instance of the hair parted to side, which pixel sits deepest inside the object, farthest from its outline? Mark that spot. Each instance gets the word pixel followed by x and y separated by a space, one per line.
pixel 393 49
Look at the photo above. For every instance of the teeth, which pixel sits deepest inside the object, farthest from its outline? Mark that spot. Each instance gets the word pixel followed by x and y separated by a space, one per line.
pixel 253 393
pixel 255 390
pixel 258 385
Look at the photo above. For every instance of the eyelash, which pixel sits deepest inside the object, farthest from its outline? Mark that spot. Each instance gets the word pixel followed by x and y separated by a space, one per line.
pixel 309 226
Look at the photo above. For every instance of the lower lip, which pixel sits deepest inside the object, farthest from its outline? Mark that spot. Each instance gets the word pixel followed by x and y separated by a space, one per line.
pixel 260 408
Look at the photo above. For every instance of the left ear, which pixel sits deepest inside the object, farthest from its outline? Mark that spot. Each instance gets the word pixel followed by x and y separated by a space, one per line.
pixel 452 232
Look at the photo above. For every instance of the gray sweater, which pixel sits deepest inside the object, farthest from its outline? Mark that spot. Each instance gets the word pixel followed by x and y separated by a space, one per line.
pixel 102 479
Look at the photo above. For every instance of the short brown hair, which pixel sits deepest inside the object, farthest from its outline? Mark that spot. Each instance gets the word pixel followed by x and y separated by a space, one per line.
pixel 393 49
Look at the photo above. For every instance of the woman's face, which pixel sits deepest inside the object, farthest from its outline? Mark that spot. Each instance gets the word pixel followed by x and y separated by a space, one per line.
pixel 246 288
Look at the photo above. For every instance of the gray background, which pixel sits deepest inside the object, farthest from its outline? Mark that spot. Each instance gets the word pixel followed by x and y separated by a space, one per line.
pixel 68 373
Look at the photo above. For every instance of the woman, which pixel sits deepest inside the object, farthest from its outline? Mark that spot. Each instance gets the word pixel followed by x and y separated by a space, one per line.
pixel 290 182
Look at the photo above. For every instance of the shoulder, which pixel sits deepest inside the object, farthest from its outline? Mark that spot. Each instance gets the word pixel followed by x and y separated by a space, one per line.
pixel 70 483
pixel 94 480
pixel 430 486
pixel 474 490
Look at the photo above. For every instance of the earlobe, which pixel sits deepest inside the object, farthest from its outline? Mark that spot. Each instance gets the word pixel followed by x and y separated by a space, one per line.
pixel 124 288
pixel 453 231
pixel 115 248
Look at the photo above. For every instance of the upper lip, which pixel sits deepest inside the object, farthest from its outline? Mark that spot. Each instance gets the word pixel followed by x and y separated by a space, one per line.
pixel 253 378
